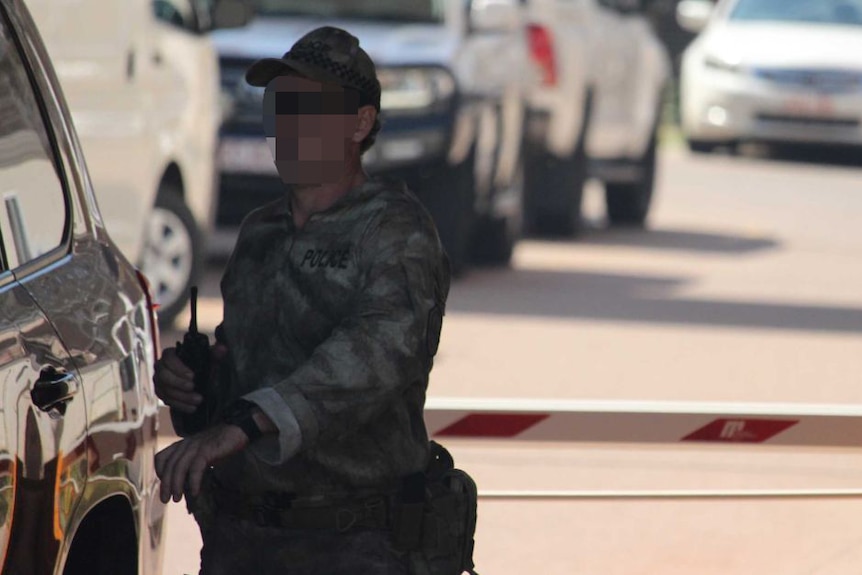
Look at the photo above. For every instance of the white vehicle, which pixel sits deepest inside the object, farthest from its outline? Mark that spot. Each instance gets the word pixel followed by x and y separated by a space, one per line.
pixel 594 111
pixel 141 78
pixel 772 71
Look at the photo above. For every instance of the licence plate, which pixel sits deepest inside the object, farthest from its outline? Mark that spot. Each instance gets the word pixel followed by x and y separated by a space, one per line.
pixel 819 106
pixel 246 156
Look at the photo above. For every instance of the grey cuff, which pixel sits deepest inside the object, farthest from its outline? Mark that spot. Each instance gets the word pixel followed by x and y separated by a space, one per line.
pixel 276 449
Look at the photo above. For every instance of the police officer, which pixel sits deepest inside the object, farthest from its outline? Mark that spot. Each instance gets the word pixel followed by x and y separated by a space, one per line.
pixel 333 304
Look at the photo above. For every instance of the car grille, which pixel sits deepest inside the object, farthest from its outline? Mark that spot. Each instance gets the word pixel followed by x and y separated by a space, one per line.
pixel 811 121
pixel 833 81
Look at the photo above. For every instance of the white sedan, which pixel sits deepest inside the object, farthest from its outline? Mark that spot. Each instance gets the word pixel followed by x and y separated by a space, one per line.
pixel 773 71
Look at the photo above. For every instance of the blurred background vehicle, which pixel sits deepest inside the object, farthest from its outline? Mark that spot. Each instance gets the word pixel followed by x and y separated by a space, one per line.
pixel 78 338
pixel 595 111
pixel 142 81
pixel 453 81
pixel 772 71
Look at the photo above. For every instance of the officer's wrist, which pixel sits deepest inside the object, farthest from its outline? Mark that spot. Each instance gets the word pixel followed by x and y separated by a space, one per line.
pixel 241 414
pixel 264 423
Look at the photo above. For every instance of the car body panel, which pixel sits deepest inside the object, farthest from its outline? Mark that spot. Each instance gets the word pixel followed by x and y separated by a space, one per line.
pixel 96 47
pixel 144 96
pixel 613 56
pixel 49 472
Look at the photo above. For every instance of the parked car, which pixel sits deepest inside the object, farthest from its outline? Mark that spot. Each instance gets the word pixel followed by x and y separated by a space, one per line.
pixel 772 71
pixel 594 111
pixel 78 337
pixel 453 85
pixel 142 81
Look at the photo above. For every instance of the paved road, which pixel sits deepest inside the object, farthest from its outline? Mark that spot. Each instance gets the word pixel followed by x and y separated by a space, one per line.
pixel 745 288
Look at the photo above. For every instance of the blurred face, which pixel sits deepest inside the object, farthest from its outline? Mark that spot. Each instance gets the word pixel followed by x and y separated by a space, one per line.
pixel 311 128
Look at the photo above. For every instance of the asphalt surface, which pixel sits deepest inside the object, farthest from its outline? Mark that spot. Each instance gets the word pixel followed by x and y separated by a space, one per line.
pixel 744 288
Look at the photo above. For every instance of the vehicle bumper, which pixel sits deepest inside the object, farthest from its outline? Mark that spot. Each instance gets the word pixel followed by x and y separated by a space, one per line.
pixel 726 107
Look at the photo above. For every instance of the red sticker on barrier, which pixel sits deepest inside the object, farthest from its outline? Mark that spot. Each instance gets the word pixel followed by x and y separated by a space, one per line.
pixel 740 430
pixel 491 425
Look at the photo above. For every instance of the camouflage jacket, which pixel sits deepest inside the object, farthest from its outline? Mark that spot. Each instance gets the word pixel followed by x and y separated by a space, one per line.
pixel 332 330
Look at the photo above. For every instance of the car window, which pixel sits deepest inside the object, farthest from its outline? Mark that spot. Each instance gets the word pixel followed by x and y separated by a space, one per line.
pixel 817 12
pixel 180 13
pixel 33 204
pixel 387 10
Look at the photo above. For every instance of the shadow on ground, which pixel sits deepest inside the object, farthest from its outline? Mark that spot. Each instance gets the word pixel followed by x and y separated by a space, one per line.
pixel 632 299
pixel 675 240
pixel 819 155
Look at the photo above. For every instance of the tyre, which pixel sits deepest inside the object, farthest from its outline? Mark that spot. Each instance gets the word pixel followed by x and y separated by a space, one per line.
pixel 628 203
pixel 447 193
pixel 172 253
pixel 494 237
pixel 701 146
pixel 554 187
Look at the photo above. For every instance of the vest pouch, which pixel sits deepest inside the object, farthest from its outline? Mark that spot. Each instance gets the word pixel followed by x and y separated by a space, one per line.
pixel 449 520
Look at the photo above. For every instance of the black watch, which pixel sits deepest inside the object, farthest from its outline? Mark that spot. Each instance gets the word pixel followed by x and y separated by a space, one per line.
pixel 241 414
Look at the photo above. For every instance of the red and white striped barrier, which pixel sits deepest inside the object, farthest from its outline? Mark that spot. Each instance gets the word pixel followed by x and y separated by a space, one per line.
pixel 816 425
pixel 823 425
pixel 667 422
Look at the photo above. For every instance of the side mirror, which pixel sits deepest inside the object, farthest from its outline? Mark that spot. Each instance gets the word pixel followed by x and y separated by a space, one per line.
pixel 231 14
pixel 693 15
pixel 494 15
pixel 219 14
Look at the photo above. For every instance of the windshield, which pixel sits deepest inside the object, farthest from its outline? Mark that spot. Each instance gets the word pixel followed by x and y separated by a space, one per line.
pixel 847 12
pixel 388 10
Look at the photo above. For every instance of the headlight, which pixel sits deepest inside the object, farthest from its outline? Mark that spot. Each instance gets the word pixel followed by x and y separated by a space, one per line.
pixel 414 88
pixel 723 63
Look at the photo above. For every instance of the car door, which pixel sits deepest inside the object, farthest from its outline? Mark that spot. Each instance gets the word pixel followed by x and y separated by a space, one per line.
pixel 15 375
pixel 43 441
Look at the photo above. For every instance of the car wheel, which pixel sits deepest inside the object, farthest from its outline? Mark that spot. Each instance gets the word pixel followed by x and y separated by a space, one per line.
pixel 701 146
pixel 447 193
pixel 172 254
pixel 628 203
pixel 494 238
pixel 555 187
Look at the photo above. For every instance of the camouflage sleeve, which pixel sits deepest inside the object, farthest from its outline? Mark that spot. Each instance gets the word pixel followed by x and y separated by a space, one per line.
pixel 385 345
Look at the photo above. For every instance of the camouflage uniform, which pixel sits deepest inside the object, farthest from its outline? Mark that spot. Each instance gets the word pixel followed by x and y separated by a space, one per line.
pixel 332 329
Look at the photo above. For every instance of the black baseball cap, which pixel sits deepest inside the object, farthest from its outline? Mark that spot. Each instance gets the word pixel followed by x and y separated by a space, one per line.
pixel 329 55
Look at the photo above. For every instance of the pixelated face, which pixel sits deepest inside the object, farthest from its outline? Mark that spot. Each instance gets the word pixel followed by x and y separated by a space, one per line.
pixel 309 127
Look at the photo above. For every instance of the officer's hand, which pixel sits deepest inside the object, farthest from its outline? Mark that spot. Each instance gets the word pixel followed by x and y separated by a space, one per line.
pixel 181 465
pixel 175 383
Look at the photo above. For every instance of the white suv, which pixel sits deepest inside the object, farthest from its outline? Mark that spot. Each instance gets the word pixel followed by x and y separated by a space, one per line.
pixel 594 111
pixel 141 77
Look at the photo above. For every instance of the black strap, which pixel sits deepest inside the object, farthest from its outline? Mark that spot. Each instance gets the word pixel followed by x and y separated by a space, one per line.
pixel 408 517
pixel 366 513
